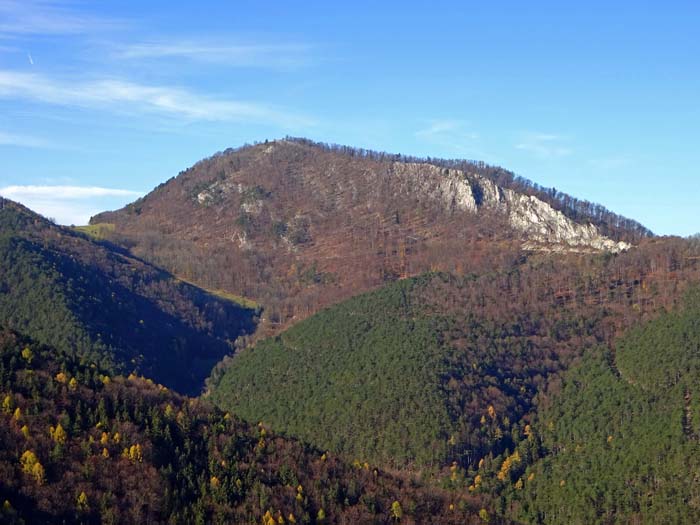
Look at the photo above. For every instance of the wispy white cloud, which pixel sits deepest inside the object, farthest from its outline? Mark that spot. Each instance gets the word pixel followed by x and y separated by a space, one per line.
pixel 544 145
pixel 69 204
pixel 124 96
pixel 282 56
pixel 24 141
pixel 64 192
pixel 454 128
pixel 37 17
pixel 454 136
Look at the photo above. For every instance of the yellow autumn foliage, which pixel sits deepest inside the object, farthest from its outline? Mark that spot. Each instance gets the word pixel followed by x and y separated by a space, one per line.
pixel 7 404
pixel 30 465
pixel 82 502
pixel 491 411
pixel 508 463
pixel 58 434
pixel 268 519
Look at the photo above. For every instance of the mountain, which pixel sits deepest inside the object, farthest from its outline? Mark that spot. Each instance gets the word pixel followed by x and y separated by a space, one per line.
pixel 80 446
pixel 297 225
pixel 442 368
pixel 93 299
pixel 440 342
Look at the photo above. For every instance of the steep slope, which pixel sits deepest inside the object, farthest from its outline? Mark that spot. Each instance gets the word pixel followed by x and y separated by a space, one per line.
pixel 79 446
pixel 618 446
pixel 63 289
pixel 436 369
pixel 298 226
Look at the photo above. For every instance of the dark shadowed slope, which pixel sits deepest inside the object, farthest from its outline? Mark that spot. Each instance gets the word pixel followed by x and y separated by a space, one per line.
pixel 102 304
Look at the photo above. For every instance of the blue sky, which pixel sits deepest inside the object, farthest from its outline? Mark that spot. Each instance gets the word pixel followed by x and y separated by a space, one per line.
pixel 102 101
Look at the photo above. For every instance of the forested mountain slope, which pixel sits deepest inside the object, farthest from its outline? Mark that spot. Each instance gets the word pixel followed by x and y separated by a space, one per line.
pixel 618 440
pixel 297 225
pixel 107 307
pixel 80 446
pixel 443 368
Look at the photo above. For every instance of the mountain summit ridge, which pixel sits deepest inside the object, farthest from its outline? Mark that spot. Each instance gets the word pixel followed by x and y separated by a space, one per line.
pixel 297 225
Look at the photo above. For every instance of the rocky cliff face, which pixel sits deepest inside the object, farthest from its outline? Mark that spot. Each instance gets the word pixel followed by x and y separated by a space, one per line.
pixel 543 227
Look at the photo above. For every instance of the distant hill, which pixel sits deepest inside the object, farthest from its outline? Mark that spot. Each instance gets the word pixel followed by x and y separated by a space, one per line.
pixel 80 446
pixel 442 368
pixel 105 306
pixel 297 225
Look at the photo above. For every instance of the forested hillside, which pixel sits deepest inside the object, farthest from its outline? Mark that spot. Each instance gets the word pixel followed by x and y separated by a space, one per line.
pixel 441 368
pixel 560 404
pixel 618 438
pixel 78 445
pixel 108 307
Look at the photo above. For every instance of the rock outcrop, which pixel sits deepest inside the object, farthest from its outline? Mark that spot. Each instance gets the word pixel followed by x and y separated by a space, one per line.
pixel 542 226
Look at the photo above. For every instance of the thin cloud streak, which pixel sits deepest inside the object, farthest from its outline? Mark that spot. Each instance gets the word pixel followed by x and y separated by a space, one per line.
pixel 453 136
pixel 63 192
pixel 284 56
pixel 29 17
pixel 24 141
pixel 119 95
pixel 69 204
pixel 442 127
pixel 544 145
